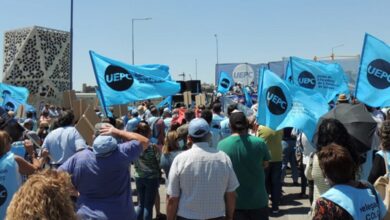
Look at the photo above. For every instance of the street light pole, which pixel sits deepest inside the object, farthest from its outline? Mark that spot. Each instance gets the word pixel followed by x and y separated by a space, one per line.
pixel 216 43
pixel 196 69
pixel 332 56
pixel 71 47
pixel 132 35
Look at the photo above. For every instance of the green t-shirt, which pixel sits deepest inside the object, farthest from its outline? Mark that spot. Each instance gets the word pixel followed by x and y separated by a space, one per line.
pixel 247 154
pixel 273 139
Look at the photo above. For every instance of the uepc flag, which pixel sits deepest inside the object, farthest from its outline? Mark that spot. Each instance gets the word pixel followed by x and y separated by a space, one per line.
pixel 16 92
pixel 328 79
pixel 248 97
pixel 373 84
pixel 11 104
pixel 167 102
pixel 225 82
pixel 282 104
pixel 121 83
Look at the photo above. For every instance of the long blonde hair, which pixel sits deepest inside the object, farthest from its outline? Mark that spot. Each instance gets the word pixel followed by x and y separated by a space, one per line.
pixel 170 142
pixel 45 195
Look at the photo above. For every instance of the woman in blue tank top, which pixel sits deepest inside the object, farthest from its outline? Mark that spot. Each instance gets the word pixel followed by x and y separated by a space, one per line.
pixel 347 198
pixel 11 169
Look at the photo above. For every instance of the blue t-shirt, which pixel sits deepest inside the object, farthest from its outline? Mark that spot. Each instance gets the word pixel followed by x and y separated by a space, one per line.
pixel 104 182
pixel 62 143
pixel 10 181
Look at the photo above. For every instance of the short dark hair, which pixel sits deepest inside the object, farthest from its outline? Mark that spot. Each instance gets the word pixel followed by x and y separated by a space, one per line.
pixel 200 139
pixel 217 108
pixel 154 111
pixel 385 135
pixel 231 108
pixel 207 115
pixel 29 114
pixel 337 164
pixel 66 118
pixel 189 115
pixel 143 129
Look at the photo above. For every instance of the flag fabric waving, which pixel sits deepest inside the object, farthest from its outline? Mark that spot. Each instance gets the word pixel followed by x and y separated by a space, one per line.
pixel 373 84
pixel 16 92
pixel 248 98
pixel 11 104
pixel 121 83
pixel 167 102
pixel 328 79
pixel 224 83
pixel 282 104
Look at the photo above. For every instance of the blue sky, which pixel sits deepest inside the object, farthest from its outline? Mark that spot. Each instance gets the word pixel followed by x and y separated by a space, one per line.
pixel 253 31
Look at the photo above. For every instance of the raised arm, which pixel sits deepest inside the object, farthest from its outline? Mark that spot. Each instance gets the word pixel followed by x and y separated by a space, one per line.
pixel 128 136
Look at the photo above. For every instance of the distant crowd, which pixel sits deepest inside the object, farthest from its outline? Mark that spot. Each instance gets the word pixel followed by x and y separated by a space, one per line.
pixel 215 164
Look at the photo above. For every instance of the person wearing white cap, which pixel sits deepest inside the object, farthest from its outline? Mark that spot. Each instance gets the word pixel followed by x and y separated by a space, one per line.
pixel 202 181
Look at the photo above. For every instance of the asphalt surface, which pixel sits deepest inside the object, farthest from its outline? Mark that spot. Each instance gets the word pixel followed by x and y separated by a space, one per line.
pixel 292 207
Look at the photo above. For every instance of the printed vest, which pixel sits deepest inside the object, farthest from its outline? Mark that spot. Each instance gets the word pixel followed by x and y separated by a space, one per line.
pixel 359 203
pixel 10 181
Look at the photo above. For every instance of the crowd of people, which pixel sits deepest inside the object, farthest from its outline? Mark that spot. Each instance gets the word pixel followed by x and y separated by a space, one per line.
pixel 215 165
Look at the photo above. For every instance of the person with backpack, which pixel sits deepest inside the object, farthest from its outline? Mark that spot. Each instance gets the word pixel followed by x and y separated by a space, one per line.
pixel 379 166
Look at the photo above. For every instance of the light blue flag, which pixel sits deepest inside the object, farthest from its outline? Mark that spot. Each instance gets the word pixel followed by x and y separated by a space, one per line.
pixel 166 102
pixel 373 84
pixel 16 92
pixel 224 83
pixel 327 79
pixel 121 83
pixel 158 70
pixel 282 104
pixel 288 74
pixel 248 98
pixel 11 104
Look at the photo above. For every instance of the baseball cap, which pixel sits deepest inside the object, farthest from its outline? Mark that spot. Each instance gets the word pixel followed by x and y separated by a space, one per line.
pixel 238 120
pixel 103 146
pixel 198 128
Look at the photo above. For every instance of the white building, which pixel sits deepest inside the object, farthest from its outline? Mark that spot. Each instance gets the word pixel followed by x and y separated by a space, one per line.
pixel 38 59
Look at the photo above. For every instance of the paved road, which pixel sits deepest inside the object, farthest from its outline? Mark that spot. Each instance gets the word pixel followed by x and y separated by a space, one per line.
pixel 292 206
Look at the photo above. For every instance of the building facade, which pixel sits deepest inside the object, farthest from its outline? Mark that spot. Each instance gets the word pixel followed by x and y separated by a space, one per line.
pixel 38 58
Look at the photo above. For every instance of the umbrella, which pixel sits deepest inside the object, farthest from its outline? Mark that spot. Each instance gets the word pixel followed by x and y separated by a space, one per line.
pixel 358 122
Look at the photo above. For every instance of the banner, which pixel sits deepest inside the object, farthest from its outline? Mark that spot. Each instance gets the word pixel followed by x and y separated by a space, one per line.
pixel 373 84
pixel 121 83
pixel 282 104
pixel 225 82
pixel 327 79
pixel 245 74
pixel 16 92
